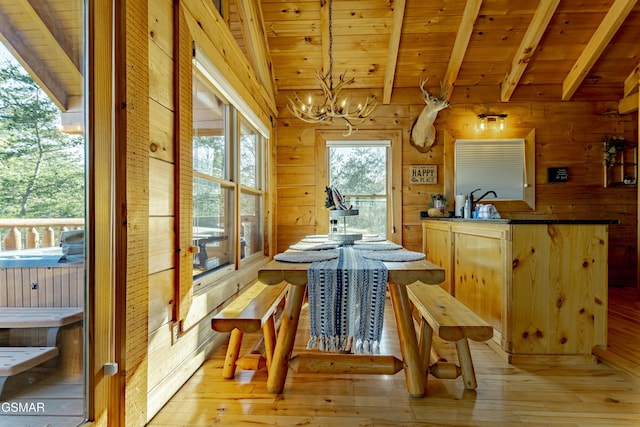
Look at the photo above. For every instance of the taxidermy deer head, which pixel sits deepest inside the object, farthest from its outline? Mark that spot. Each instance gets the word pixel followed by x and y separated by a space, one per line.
pixel 423 133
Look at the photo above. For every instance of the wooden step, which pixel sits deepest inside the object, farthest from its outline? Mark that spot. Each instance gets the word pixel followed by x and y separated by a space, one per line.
pixel 14 360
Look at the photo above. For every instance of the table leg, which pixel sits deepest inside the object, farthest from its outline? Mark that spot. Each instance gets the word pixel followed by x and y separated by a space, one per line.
pixel 286 338
pixel 413 371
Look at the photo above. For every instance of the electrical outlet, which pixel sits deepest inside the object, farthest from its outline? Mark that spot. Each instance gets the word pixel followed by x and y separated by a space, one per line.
pixel 175 332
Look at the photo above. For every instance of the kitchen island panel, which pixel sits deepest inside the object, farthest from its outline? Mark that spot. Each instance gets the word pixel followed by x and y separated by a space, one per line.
pixel 542 286
pixel 478 276
pixel 441 251
pixel 559 288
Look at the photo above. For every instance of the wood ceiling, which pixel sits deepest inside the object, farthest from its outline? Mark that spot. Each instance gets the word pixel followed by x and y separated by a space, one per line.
pixel 551 49
pixel 46 38
pixel 524 49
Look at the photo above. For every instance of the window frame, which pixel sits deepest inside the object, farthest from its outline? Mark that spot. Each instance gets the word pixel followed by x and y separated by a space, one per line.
pixel 491 165
pixel 226 181
pixel 529 200
pixel 258 190
pixel 239 114
pixel 387 196
pixel 394 218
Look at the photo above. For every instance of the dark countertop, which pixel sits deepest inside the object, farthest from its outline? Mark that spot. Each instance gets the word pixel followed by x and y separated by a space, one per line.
pixel 424 216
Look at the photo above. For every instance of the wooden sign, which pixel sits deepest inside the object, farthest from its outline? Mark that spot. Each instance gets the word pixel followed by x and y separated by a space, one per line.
pixel 558 174
pixel 424 174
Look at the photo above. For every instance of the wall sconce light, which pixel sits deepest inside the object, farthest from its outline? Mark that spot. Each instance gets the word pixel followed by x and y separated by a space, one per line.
pixel 492 121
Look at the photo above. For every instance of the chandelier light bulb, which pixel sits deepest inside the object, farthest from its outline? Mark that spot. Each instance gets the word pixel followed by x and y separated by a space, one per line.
pixel 330 107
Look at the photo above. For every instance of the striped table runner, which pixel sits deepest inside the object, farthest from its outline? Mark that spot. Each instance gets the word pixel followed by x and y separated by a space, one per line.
pixel 346 303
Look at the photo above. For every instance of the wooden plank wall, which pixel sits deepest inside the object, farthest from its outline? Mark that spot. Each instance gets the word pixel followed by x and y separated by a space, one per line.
pixel 171 362
pixel 567 134
pixel 132 199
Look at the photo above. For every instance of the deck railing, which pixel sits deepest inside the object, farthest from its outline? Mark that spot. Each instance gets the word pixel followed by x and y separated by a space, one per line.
pixel 29 233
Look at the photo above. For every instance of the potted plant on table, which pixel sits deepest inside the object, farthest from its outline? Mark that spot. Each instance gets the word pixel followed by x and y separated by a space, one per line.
pixel 437 205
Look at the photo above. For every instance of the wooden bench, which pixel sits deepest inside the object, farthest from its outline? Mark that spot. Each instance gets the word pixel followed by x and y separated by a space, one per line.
pixel 252 311
pixel 52 318
pixel 441 312
pixel 14 360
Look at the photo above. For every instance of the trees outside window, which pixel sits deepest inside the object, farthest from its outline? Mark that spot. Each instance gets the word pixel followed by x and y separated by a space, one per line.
pixel 228 181
pixel 360 170
pixel 41 168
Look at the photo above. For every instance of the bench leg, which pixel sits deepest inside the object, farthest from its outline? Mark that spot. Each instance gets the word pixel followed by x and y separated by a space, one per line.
pixel 466 364
pixel 269 334
pixel 233 351
pixel 426 338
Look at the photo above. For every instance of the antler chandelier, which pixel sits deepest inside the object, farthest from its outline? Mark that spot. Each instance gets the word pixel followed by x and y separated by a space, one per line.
pixel 330 106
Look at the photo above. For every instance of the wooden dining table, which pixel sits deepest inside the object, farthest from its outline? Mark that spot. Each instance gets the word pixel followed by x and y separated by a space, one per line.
pixel 400 274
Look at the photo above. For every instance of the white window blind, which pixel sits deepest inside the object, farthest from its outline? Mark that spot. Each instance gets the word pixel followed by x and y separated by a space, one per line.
pixel 491 164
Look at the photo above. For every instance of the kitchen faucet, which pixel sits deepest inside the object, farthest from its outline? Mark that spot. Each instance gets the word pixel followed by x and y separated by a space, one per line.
pixel 474 201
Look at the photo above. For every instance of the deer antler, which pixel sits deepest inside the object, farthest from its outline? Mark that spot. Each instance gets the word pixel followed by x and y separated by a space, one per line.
pixel 424 81
pixel 332 108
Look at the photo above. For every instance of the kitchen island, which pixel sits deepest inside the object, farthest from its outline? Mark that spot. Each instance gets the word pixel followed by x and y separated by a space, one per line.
pixel 541 284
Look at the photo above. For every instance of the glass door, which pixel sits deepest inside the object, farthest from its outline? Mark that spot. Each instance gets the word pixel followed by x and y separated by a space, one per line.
pixel 42 213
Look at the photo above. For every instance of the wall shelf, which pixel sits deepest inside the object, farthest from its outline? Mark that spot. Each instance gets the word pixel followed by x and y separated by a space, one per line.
pixel 624 171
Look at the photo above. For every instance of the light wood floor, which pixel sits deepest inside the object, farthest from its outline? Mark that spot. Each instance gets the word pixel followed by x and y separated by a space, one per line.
pixel 588 395
pixel 606 394
pixel 623 350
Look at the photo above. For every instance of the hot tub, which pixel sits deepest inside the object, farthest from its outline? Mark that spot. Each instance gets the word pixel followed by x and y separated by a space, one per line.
pixel 41 277
pixel 42 257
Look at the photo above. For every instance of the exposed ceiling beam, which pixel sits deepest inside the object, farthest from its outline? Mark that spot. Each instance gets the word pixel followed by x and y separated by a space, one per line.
pixel 394 48
pixel 465 29
pixel 42 12
pixel 32 63
pixel 599 41
pixel 537 27
pixel 631 82
pixel 255 38
pixel 628 104
pixel 216 41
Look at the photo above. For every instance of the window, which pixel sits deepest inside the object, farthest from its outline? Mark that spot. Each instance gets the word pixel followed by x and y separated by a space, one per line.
pixel 521 196
pixel 491 164
pixel 218 5
pixel 361 171
pixel 213 189
pixel 251 196
pixel 228 175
